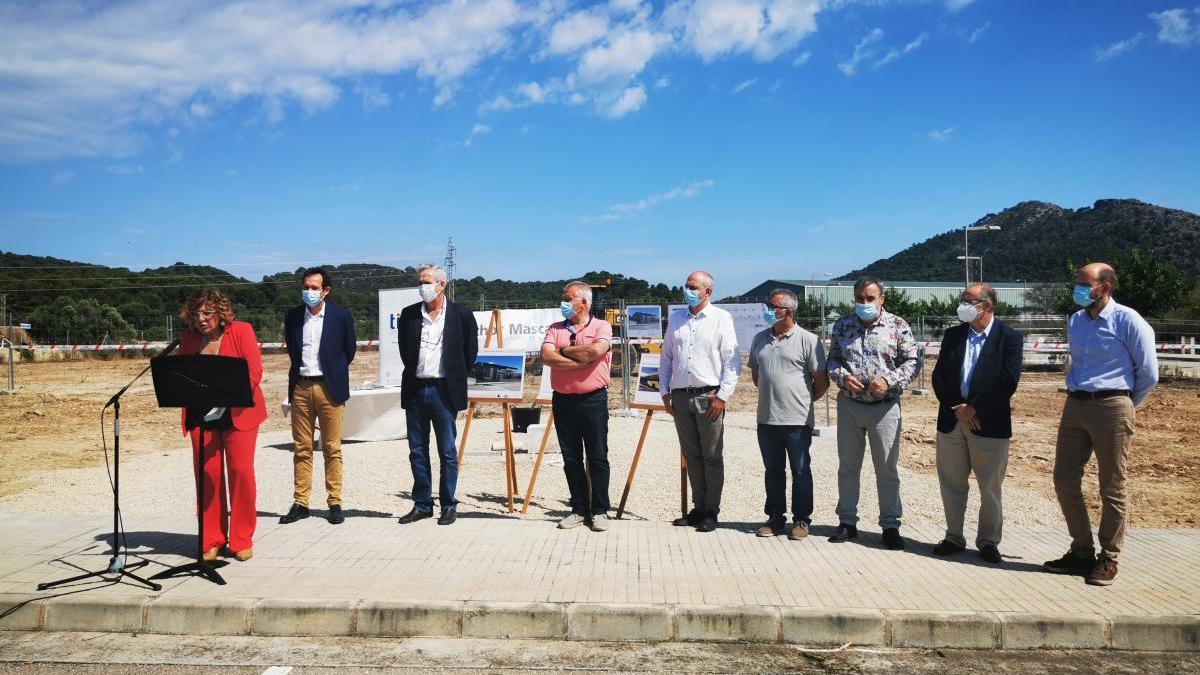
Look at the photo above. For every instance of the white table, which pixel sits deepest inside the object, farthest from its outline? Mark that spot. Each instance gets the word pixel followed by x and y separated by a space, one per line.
pixel 371 415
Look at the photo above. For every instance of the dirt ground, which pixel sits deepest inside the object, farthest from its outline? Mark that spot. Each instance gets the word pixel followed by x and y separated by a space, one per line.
pixel 53 422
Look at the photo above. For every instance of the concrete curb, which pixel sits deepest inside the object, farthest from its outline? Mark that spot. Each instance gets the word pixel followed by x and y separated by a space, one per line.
pixel 601 622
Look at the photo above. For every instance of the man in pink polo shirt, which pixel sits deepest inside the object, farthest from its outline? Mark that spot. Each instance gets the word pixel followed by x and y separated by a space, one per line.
pixel 577 351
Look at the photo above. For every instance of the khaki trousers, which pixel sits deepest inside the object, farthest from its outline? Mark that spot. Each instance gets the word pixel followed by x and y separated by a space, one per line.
pixel 311 404
pixel 958 454
pixel 1103 426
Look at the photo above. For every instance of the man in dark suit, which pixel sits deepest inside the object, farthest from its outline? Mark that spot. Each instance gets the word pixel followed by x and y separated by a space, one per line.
pixel 438 343
pixel 320 343
pixel 977 371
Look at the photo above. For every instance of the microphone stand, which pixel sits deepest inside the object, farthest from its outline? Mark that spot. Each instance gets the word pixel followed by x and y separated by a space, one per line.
pixel 116 564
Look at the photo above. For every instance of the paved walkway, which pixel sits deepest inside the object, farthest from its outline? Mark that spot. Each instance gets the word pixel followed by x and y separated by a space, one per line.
pixel 652 567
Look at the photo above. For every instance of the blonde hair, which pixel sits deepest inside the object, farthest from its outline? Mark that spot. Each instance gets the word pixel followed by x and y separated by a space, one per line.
pixel 207 296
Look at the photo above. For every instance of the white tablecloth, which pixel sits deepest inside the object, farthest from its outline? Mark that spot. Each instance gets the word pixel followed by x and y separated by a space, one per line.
pixel 371 415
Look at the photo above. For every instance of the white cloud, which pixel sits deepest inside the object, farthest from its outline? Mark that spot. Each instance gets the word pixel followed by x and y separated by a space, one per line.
pixel 955 5
pixel 480 129
pixel 630 100
pixel 87 80
pixel 862 51
pixel 63 177
pixel 802 59
pixel 744 85
pixel 894 54
pixel 942 135
pixel 1117 48
pixel 622 58
pixel 576 31
pixel 763 28
pixel 1176 27
pixel 627 209
pixel 978 33
pixel 124 169
pixel 373 97
pixel 662 83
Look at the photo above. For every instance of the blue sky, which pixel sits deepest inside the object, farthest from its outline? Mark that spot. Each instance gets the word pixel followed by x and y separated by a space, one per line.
pixel 752 138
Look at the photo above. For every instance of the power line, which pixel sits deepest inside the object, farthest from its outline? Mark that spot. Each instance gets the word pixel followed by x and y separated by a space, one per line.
pixel 192 285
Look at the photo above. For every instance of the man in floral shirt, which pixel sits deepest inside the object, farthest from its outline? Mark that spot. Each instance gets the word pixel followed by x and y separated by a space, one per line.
pixel 872 358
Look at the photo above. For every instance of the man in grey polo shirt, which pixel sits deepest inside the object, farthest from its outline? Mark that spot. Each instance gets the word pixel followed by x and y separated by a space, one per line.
pixel 787 364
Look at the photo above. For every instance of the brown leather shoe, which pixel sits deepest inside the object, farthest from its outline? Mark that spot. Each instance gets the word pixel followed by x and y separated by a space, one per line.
pixel 799 531
pixel 1104 572
pixel 243 556
pixel 211 554
pixel 770 528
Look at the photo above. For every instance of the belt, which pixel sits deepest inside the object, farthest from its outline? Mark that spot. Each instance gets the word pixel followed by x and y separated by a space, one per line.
pixel 1103 393
pixel 312 378
pixel 583 394
pixel 695 390
pixel 430 381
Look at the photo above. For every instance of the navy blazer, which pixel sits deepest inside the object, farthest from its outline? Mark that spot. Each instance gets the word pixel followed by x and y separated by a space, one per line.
pixel 335 353
pixel 993 382
pixel 460 345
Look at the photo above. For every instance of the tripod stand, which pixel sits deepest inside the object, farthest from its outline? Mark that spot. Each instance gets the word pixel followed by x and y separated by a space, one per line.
pixel 116 564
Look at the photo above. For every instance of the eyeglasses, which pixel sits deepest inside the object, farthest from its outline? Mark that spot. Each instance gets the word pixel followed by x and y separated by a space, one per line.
pixel 202 315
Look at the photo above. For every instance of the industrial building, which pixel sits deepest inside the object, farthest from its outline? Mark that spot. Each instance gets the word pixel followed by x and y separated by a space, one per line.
pixel 842 292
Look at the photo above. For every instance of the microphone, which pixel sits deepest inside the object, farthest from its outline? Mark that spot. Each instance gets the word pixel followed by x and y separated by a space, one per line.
pixel 170 348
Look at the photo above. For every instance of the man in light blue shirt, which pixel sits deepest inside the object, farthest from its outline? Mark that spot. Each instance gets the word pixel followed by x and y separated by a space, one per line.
pixel 1113 368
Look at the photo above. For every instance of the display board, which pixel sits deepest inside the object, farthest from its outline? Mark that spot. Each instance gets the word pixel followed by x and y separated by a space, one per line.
pixel 648 394
pixel 523 329
pixel 644 322
pixel 391 302
pixel 545 390
pixel 747 320
pixel 498 375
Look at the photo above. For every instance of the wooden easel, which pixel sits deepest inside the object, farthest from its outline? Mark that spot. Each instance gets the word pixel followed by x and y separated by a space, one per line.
pixel 683 482
pixel 495 327
pixel 537 464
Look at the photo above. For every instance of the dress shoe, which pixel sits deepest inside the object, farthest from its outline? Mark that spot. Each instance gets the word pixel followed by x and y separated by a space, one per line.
pixel 1071 563
pixel 892 540
pixel 799 531
pixel 295 513
pixel 844 533
pixel 989 553
pixel 336 517
pixel 707 524
pixel 692 519
pixel 447 517
pixel 211 554
pixel 947 547
pixel 243 556
pixel 772 527
pixel 415 515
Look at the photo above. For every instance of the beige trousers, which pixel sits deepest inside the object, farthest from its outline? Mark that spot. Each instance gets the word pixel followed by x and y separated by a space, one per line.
pixel 310 405
pixel 958 454
pixel 1103 426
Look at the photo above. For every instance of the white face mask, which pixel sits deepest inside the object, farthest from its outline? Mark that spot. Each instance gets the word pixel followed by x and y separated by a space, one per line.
pixel 968 312
pixel 428 292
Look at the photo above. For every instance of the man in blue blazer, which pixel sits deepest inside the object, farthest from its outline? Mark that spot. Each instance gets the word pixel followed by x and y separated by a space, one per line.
pixel 320 343
pixel 977 371
pixel 438 343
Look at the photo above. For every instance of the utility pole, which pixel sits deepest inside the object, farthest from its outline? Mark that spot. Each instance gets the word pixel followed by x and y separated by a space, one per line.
pixel 8 334
pixel 450 251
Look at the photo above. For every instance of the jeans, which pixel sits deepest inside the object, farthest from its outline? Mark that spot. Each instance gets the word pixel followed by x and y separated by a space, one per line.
pixel 582 422
pixel 431 405
pixel 781 445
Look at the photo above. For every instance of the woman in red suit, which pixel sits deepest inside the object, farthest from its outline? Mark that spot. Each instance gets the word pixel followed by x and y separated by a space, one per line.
pixel 213 330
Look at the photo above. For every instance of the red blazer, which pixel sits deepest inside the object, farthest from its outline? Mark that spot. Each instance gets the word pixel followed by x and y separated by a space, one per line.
pixel 239 341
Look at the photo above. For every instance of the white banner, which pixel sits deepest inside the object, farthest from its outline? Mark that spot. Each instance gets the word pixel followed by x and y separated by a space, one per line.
pixel 747 320
pixel 391 302
pixel 523 329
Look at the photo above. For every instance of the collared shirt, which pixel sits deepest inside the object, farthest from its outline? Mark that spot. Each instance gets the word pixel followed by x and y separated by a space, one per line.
pixel 596 374
pixel 700 350
pixel 884 349
pixel 784 367
pixel 1113 351
pixel 974 346
pixel 310 347
pixel 429 359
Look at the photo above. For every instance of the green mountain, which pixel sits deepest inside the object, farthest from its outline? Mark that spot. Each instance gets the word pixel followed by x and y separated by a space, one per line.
pixel 1037 241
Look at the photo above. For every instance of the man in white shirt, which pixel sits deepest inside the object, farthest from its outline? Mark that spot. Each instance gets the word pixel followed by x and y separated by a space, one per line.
pixel 698 371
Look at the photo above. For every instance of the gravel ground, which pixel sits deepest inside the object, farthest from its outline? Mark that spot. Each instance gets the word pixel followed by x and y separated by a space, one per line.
pixel 378 480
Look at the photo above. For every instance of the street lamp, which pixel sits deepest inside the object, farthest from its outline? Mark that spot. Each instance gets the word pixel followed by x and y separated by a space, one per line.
pixel 966 256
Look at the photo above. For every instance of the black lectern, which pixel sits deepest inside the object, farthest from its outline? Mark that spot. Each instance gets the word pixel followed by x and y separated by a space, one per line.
pixel 201 383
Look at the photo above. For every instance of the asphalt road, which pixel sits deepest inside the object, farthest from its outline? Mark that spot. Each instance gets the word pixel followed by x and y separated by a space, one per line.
pixel 104 653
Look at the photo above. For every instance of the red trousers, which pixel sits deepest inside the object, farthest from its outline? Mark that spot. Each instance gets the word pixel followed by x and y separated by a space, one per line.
pixel 229 515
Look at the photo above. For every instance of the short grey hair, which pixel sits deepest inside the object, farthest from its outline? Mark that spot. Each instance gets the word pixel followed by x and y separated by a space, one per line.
pixel 791 301
pixel 438 273
pixel 863 282
pixel 986 294
pixel 705 276
pixel 585 289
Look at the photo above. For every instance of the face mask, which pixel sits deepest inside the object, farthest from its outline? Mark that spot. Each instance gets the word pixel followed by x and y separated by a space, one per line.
pixel 769 316
pixel 867 312
pixel 310 298
pixel 1082 295
pixel 691 297
pixel 967 312
pixel 428 292
pixel 567 310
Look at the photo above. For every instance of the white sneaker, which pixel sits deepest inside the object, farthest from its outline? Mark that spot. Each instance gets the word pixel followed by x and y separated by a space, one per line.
pixel 573 520
pixel 600 523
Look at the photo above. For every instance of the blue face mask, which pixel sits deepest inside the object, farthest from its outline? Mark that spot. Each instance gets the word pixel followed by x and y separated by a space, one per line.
pixel 867 312
pixel 1082 295
pixel 310 298
pixel 567 310
pixel 691 297
pixel 769 316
